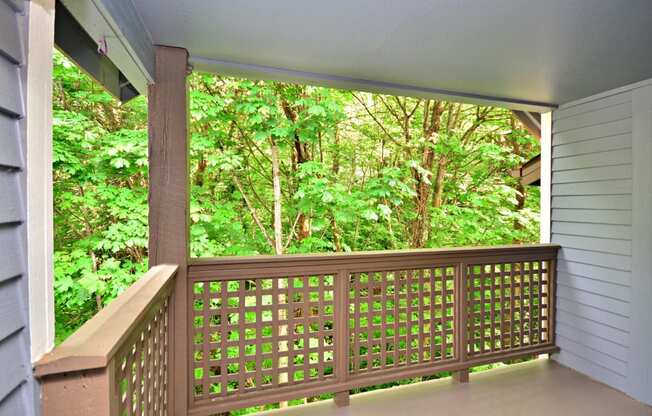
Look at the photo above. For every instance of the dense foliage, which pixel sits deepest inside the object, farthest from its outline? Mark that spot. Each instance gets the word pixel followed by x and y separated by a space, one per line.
pixel 279 168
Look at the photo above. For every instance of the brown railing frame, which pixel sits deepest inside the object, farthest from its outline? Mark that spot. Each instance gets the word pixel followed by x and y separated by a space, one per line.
pixel 340 265
pixel 79 376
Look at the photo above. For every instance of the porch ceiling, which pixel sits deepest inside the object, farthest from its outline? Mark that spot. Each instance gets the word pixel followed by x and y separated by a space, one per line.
pixel 528 54
pixel 551 51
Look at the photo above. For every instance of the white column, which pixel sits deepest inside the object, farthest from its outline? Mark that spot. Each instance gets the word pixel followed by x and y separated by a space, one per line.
pixel 38 97
pixel 546 178
pixel 639 371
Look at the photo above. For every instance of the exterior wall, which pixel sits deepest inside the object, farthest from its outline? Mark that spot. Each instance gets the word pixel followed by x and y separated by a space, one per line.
pixel 594 210
pixel 17 386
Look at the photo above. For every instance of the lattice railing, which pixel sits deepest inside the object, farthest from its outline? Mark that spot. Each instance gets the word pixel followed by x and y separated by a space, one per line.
pixel 141 373
pixel 257 334
pixel 508 306
pixel 400 318
pixel 267 329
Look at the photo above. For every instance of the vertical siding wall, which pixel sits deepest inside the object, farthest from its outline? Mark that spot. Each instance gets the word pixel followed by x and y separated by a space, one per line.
pixel 16 383
pixel 592 220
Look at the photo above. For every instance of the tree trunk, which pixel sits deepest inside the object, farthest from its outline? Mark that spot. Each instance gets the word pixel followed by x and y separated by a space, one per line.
pixel 431 128
pixel 437 199
pixel 276 179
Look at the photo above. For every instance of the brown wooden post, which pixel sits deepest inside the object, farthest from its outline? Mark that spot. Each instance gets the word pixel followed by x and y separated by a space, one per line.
pixel 169 201
pixel 342 335
pixel 80 393
pixel 461 323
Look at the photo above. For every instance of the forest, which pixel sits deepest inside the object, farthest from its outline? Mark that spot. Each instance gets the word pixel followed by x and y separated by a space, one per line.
pixel 279 168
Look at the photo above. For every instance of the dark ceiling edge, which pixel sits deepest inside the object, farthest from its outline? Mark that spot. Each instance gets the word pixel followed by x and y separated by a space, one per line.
pixel 74 42
pixel 337 81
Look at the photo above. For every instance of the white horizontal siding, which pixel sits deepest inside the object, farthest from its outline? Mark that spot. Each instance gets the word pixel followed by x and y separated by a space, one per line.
pixel 620 141
pixel 594 328
pixel 621 98
pixel 591 160
pixel 595 272
pixel 609 261
pixel 623 232
pixel 612 187
pixel 610 348
pixel 609 202
pixel 589 215
pixel 614 128
pixel 591 367
pixel 600 173
pixel 593 118
pixel 595 286
pixel 591 219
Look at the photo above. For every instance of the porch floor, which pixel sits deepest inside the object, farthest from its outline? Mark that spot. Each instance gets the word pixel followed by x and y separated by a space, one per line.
pixel 540 387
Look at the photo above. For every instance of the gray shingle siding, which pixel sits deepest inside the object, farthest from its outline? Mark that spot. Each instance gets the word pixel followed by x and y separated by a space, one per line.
pixel 17 386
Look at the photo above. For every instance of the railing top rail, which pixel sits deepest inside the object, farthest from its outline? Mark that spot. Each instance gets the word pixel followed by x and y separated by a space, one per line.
pixel 467 252
pixel 95 343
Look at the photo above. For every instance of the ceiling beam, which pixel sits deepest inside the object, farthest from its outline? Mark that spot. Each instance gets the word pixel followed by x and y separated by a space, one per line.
pixel 252 71
pixel 531 121
pixel 128 44
pixel 71 39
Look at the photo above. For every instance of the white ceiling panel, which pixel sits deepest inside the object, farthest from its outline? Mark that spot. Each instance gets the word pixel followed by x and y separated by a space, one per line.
pixel 524 52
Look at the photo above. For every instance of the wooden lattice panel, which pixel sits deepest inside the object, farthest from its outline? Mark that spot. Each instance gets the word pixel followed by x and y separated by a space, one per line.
pixel 401 318
pixel 142 367
pixel 259 334
pixel 508 306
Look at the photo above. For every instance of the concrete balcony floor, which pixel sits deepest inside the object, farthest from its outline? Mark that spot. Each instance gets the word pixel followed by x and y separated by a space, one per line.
pixel 540 387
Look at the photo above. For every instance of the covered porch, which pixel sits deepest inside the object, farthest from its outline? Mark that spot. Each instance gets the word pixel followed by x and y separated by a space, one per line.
pixel 206 336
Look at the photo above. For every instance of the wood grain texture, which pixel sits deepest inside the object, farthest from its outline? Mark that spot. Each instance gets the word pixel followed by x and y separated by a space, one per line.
pixel 169 200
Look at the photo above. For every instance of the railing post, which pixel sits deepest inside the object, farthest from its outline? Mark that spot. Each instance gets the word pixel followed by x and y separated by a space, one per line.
pixel 341 311
pixel 461 322
pixel 552 298
pixel 80 393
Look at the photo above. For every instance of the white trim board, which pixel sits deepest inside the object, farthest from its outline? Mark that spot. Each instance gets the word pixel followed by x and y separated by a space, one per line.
pixel 38 95
pixel 546 176
pixel 639 376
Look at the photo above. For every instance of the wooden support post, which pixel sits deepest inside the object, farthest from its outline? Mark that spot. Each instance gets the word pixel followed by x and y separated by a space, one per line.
pixel 169 201
pixel 461 376
pixel 342 398
pixel 80 393
pixel 462 314
pixel 342 335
